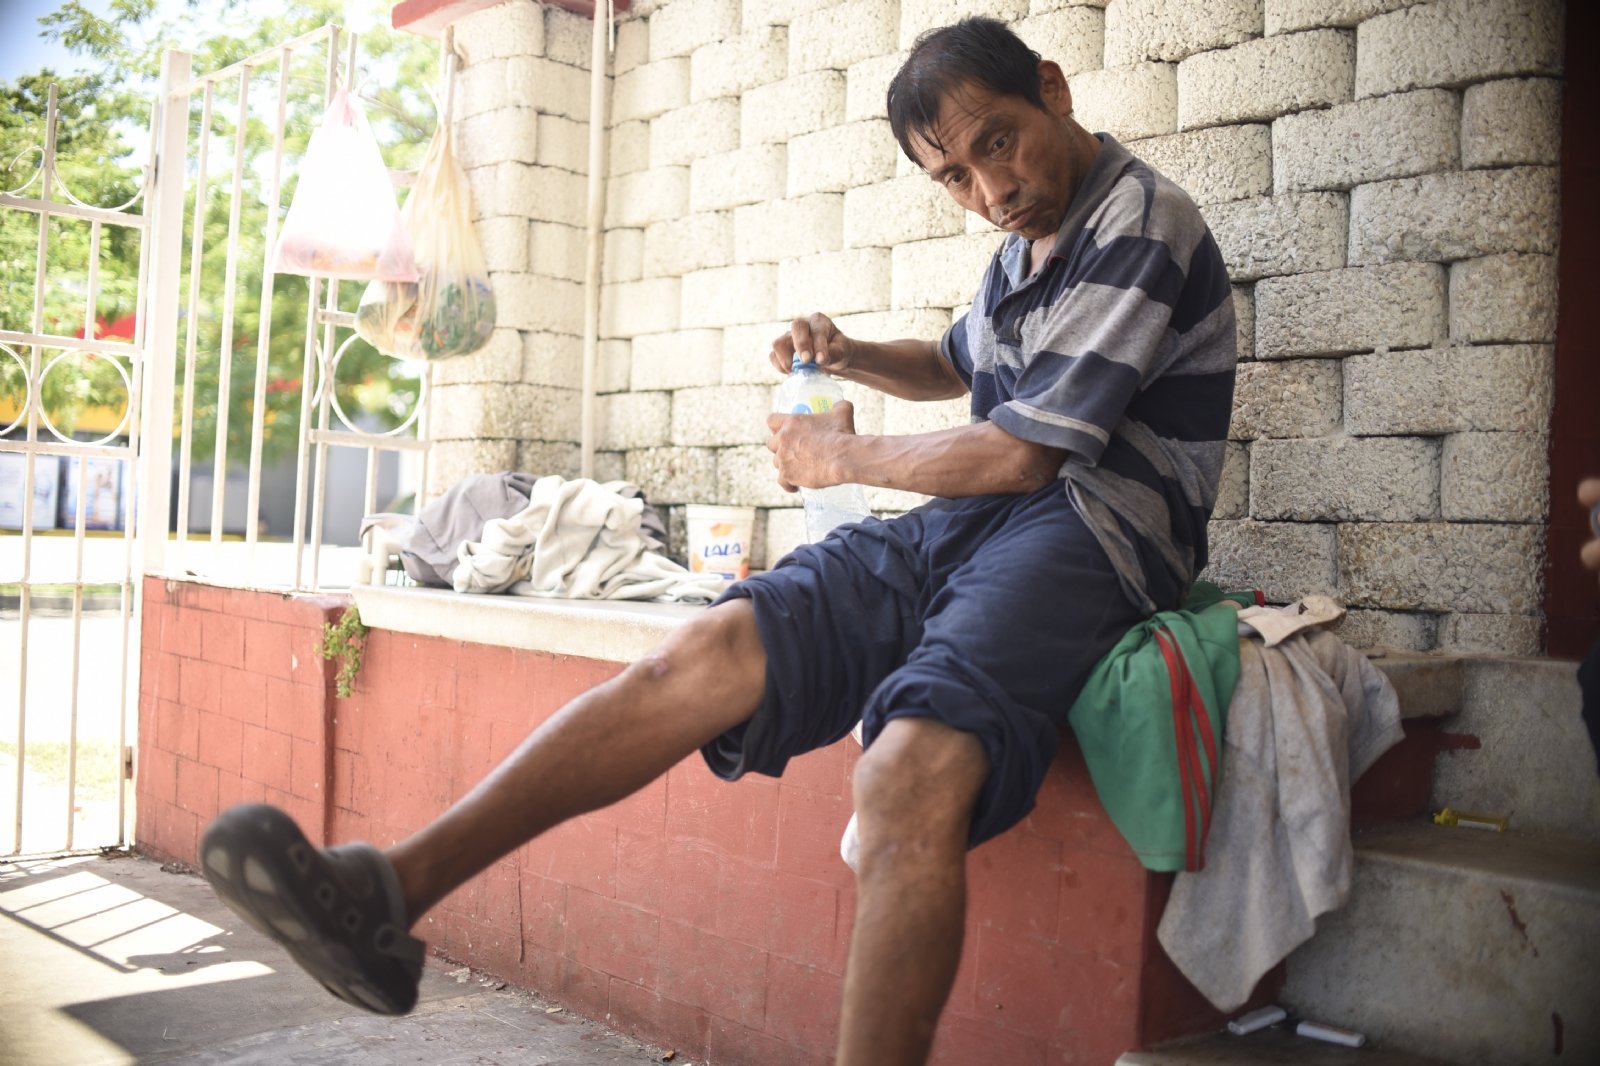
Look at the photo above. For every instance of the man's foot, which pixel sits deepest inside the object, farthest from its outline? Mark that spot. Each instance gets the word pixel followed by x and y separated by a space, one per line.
pixel 338 911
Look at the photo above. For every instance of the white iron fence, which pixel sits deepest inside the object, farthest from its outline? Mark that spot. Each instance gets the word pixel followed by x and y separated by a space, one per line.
pixel 45 655
pixel 170 481
pixel 280 539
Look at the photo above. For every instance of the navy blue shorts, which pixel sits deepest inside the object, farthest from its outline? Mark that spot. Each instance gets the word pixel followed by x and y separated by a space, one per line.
pixel 987 613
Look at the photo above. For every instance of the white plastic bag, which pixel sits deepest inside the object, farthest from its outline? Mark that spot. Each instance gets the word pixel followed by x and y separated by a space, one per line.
pixel 343 221
pixel 451 309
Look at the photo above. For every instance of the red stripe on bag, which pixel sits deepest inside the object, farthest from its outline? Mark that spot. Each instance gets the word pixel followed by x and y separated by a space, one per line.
pixel 1196 774
pixel 1183 740
pixel 1206 774
pixel 1197 780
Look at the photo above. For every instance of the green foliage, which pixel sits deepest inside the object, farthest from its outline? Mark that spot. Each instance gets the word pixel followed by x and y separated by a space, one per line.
pixel 82 31
pixel 102 136
pixel 83 140
pixel 345 641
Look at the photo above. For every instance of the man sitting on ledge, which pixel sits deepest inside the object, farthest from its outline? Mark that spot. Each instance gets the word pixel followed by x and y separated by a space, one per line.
pixel 1099 356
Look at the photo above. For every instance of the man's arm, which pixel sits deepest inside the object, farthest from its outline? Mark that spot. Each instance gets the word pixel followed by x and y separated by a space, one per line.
pixel 908 369
pixel 815 451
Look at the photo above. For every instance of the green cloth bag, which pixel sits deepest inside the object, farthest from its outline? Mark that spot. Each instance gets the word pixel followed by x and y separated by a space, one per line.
pixel 1151 721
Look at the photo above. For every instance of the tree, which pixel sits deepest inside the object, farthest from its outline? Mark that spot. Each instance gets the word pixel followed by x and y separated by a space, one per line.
pixel 83 140
pixel 101 133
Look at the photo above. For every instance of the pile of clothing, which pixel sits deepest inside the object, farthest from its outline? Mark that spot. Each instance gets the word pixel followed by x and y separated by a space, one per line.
pixel 1258 825
pixel 548 536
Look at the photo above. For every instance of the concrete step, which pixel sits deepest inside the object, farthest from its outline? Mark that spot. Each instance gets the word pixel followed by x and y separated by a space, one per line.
pixel 1474 947
pixel 1534 763
pixel 1428 686
pixel 1270 1047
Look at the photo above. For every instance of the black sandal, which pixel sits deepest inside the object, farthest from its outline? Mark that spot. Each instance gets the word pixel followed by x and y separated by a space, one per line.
pixel 338 911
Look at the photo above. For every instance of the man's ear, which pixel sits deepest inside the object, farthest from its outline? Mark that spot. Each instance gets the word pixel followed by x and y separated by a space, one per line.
pixel 1053 88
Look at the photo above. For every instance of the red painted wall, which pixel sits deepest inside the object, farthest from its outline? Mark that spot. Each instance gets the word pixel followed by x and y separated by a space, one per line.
pixel 708 917
pixel 233 704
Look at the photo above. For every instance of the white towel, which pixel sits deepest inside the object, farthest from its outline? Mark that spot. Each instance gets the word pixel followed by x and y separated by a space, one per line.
pixel 1309 716
pixel 577 539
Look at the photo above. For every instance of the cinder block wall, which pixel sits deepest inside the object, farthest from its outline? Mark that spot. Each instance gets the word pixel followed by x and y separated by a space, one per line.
pixel 1380 175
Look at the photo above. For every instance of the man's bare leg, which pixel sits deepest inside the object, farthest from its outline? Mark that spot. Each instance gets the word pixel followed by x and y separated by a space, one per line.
pixel 914 790
pixel 707 677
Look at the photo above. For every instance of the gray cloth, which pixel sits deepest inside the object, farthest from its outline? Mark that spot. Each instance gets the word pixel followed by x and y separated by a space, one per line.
pixel 1308 717
pixel 430 547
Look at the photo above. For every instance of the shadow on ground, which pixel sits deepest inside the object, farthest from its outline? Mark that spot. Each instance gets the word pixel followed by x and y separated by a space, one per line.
pixel 118 960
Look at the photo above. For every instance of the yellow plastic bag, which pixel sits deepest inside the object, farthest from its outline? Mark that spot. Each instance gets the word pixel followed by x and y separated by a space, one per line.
pixel 450 310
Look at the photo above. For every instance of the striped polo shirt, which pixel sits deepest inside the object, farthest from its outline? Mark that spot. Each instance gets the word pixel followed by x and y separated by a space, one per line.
pixel 1121 350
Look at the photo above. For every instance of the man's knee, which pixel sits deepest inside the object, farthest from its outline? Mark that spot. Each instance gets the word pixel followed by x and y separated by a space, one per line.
pixel 919 782
pixel 717 653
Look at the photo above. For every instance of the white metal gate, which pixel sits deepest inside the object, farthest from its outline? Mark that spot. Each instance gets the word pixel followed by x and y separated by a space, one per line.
pixel 69 605
pixel 63 794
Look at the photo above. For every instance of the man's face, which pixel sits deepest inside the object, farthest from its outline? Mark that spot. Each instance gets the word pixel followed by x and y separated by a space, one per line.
pixel 1004 159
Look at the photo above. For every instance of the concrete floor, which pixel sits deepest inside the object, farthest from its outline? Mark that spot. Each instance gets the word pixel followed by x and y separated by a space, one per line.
pixel 117 960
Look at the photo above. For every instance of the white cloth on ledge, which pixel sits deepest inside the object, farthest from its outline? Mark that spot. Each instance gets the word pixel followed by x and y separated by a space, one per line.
pixel 1309 716
pixel 577 539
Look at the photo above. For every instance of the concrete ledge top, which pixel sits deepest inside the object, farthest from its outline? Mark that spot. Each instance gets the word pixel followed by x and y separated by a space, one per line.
pixel 609 630
pixel 622 631
pixel 1429 686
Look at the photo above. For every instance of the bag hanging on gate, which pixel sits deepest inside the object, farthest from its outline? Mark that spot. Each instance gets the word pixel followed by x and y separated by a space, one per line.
pixel 450 310
pixel 343 221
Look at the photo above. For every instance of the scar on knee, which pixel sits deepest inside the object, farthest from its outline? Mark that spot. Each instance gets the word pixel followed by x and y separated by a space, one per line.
pixel 653 667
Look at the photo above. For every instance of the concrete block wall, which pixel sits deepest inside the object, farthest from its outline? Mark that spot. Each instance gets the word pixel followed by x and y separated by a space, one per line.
pixel 1380 175
pixel 522 115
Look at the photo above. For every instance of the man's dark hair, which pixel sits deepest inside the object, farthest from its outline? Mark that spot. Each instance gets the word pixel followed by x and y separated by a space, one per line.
pixel 978 51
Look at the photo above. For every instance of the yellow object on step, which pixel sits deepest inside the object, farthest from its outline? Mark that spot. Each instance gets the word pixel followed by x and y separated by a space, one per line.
pixel 1494 823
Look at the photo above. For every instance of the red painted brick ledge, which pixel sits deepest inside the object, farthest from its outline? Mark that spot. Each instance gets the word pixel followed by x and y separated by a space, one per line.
pixel 709 917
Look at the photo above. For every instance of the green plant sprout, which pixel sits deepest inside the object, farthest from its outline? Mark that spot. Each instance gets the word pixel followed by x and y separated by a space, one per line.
pixel 344 640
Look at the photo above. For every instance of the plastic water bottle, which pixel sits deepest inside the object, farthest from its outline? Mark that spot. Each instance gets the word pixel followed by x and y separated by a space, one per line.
pixel 808 390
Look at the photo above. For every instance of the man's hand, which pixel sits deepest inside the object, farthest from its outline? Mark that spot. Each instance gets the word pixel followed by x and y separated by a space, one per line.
pixel 815 339
pixel 806 449
pixel 1589 496
pixel 909 369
